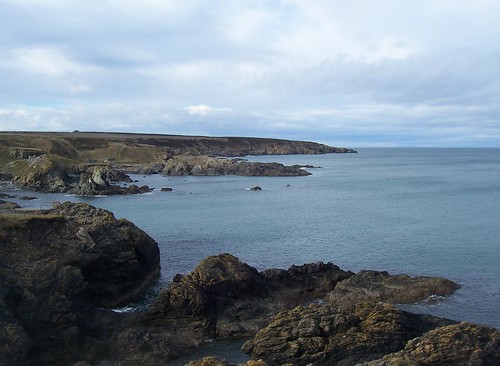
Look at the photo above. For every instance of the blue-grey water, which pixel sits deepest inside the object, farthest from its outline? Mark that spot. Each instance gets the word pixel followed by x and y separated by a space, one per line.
pixel 415 211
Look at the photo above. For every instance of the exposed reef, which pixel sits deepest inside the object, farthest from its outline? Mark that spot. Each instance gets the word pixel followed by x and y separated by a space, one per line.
pixel 89 163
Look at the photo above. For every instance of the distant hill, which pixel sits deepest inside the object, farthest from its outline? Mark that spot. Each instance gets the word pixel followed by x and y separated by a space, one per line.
pixel 145 148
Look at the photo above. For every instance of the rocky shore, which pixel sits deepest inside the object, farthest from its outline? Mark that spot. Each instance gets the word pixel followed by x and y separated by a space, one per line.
pixel 91 163
pixel 63 270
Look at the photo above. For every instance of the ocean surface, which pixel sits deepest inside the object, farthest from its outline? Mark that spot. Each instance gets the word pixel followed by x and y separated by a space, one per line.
pixel 416 211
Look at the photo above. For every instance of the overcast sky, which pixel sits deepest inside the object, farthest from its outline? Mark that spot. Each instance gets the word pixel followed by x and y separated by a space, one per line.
pixel 348 73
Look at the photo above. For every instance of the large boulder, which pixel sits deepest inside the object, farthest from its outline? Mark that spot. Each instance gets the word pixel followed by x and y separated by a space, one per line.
pixel 58 267
pixel 219 297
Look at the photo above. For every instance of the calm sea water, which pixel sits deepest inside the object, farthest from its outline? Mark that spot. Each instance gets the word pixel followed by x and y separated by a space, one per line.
pixel 415 211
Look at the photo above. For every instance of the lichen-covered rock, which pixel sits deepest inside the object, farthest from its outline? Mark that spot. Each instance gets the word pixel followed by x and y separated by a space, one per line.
pixel 374 286
pixel 462 344
pixel 324 335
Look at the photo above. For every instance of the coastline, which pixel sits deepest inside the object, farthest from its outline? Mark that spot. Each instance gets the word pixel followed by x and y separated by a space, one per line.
pixel 222 297
pixel 284 191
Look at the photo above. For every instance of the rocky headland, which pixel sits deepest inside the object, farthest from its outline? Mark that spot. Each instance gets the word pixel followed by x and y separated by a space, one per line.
pixel 90 163
pixel 63 270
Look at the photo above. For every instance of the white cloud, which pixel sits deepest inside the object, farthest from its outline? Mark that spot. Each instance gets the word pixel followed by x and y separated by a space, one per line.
pixel 203 110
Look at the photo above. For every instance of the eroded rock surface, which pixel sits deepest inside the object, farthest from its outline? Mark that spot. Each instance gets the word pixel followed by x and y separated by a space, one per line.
pixel 462 344
pixel 324 335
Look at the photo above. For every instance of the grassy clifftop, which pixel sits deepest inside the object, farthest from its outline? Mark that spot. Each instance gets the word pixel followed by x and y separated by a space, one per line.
pixel 144 148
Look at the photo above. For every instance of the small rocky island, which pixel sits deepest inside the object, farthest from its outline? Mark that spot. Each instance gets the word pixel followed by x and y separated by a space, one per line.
pixel 64 270
pixel 90 163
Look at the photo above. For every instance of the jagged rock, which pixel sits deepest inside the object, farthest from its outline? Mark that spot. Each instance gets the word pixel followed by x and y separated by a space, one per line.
pixel 97 181
pixel 256 188
pixel 57 268
pixel 462 344
pixel 377 286
pixel 325 335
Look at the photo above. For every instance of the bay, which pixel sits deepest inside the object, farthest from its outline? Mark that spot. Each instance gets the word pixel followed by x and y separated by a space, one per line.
pixel 416 211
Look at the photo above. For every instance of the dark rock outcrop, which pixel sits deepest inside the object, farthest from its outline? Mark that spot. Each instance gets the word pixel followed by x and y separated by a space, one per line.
pixel 256 188
pixel 374 286
pixel 221 297
pixel 205 165
pixel 301 285
pixel 324 335
pixel 97 181
pixel 57 269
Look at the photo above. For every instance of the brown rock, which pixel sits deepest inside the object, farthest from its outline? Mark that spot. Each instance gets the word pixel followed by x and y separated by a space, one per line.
pixel 462 344
pixel 324 335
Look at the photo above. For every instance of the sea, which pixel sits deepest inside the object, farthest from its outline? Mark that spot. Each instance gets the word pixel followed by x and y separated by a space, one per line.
pixel 419 211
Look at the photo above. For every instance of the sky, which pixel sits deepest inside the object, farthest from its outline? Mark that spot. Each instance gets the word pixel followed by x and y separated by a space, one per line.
pixel 357 73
